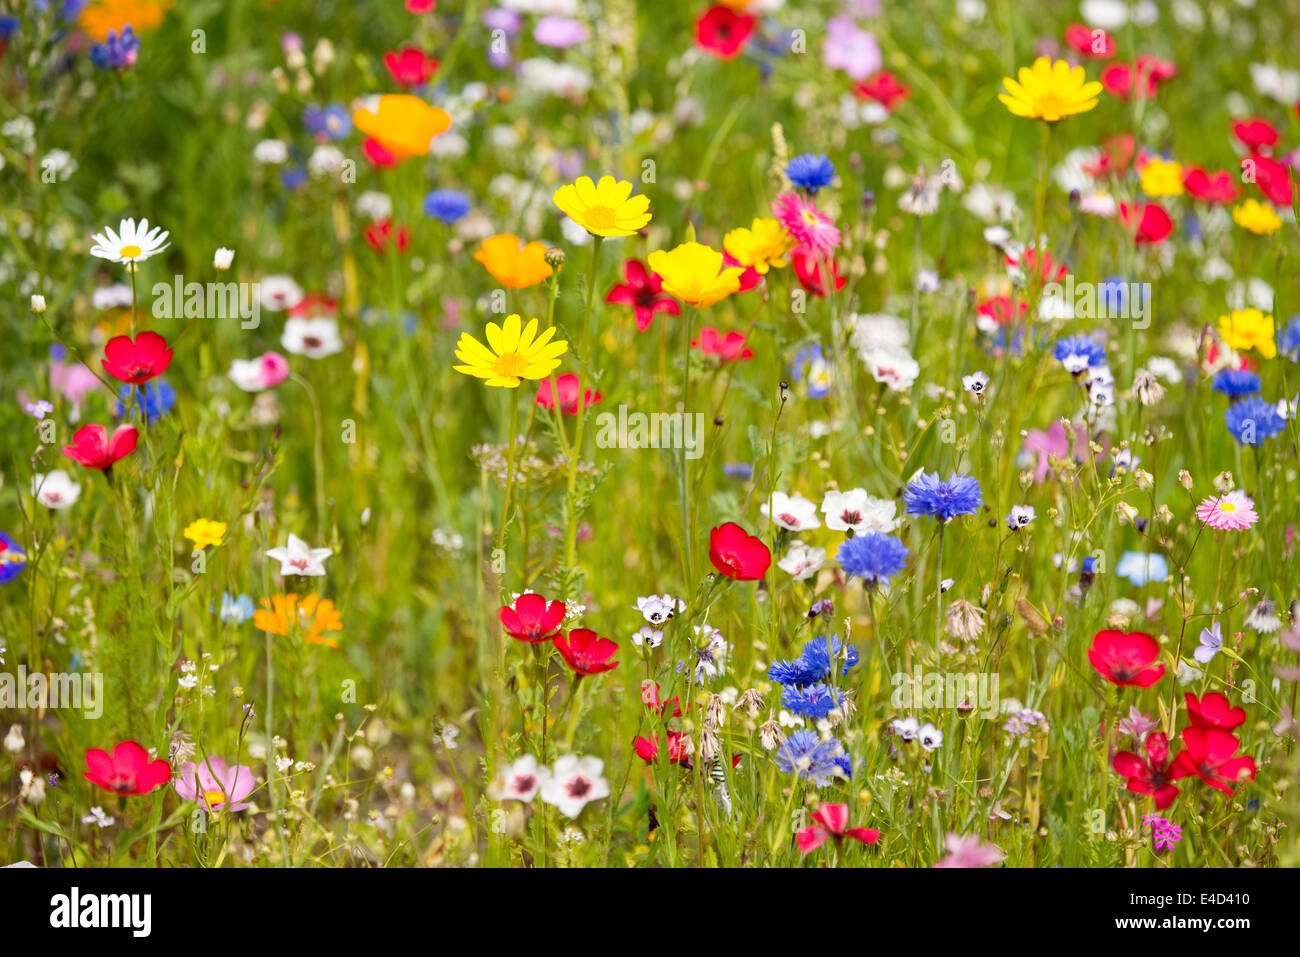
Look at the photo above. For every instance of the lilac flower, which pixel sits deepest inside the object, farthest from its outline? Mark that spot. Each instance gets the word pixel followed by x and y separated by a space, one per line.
pixel 559 32
pixel 1211 644
pixel 850 48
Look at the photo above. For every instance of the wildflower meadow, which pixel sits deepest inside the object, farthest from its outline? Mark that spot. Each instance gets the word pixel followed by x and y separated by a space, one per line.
pixel 616 434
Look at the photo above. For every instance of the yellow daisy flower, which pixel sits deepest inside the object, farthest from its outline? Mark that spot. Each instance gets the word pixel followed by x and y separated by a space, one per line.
pixel 1159 178
pixel 1050 91
pixel 762 246
pixel 1258 217
pixel 607 208
pixel 203 532
pixel 694 273
pixel 511 354
pixel 1249 329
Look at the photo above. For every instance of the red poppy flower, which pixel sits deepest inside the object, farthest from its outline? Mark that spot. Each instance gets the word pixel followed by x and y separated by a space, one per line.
pixel 380 237
pixel 410 66
pixel 1116 154
pixel 1118 78
pixel 728 348
pixel 533 618
pixel 1209 754
pixel 1213 710
pixel 127 770
pixel 738 554
pixel 586 652
pixel 642 289
pixel 884 88
pixel 1209 187
pixel 1150 776
pixel 1125 658
pixel 832 820
pixel 139 360
pixel 1148 222
pixel 379 157
pixel 1272 177
pixel 1255 132
pixel 998 310
pixel 647 749
pixel 567 385
pixel 750 278
pixel 314 305
pixel 94 448
pixel 723 32
pixel 1091 42
pixel 808 268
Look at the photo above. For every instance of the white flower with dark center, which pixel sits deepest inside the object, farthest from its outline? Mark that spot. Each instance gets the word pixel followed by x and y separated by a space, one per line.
pixel 55 489
pixel 976 384
pixel 802 561
pixel 520 781
pixel 573 783
pixel 793 512
pixel 1021 515
pixel 929 736
pixel 906 728
pixel 656 609
pixel 647 636
pixel 299 558
pixel 131 244
pixel 313 338
pixel 857 510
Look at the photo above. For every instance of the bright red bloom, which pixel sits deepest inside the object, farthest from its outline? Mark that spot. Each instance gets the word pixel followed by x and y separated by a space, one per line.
pixel 1094 43
pixel 379 157
pixel 380 237
pixel 1213 710
pixel 533 618
pixel 1046 268
pixel 567 385
pixel 1255 132
pixel 750 278
pixel 647 749
pixel 315 305
pixel 139 360
pixel 1116 154
pixel 1272 177
pixel 832 820
pixel 1209 754
pixel 1150 776
pixel 738 554
pixel 1125 658
pixel 127 770
pixel 1118 78
pixel 650 698
pixel 586 652
pixel 1209 187
pixel 728 348
pixel 420 6
pixel 723 32
pixel 410 66
pixel 884 88
pixel 1148 222
pixel 998 309
pixel 94 448
pixel 642 289
pixel 809 270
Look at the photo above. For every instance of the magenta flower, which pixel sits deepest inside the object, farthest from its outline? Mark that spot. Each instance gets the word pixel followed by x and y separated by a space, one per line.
pixel 217 784
pixel 1054 443
pixel 1232 512
pixel 806 224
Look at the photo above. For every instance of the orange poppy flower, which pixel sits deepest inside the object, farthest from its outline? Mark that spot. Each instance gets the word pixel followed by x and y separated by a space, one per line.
pixel 513 264
pixel 402 124
pixel 100 16
pixel 315 615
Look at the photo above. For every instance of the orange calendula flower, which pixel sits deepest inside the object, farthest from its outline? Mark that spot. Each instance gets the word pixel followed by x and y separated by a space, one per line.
pixel 513 264
pixel 1050 91
pixel 402 124
pixel 100 16
pixel 315 616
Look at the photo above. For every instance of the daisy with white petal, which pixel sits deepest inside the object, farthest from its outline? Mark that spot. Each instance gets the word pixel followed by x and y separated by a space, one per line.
pixel 55 490
pixel 131 244
pixel 299 558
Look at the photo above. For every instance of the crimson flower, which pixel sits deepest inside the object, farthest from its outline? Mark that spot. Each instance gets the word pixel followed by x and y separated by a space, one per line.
pixel 94 448
pixel 379 157
pixel 1148 222
pixel 410 66
pixel 1118 78
pixel 127 770
pixel 1272 177
pixel 750 278
pixel 586 652
pixel 1210 187
pixel 1094 43
pixel 1048 269
pixel 722 31
pixel 642 289
pixel 314 305
pixel 567 385
pixel 831 820
pixel 139 360
pixel 738 554
pixel 884 88
pixel 728 348
pixel 1255 132
pixel 1149 776
pixel 647 749
pixel 1125 658
pixel 1209 754
pixel 1213 710
pixel 808 268
pixel 380 237
pixel 998 310
pixel 533 618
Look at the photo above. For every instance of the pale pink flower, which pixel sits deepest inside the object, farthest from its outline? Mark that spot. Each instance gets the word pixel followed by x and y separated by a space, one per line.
pixel 969 852
pixel 1231 512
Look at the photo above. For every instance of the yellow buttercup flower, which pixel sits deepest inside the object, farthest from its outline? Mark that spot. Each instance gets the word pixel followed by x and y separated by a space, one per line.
pixel 404 125
pixel 1258 217
pixel 607 208
pixel 514 352
pixel 762 246
pixel 203 532
pixel 1160 178
pixel 1249 329
pixel 512 263
pixel 1050 91
pixel 694 273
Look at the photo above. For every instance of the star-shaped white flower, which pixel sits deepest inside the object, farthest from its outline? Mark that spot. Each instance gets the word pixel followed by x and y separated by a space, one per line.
pixel 299 558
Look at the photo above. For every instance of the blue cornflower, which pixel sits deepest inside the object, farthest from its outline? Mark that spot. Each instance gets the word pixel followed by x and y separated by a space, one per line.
pixel 1079 353
pixel 1290 346
pixel 787 672
pixel 1252 420
pixel 157 400
pixel 446 205
pixel 809 362
pixel 817 654
pixel 811 758
pixel 1235 382
pixel 12 558
pixel 293 176
pixel 331 121
pixel 118 51
pixel 743 471
pixel 927 495
pixel 9 26
pixel 813 701
pixel 875 556
pixel 68 9
pixel 810 171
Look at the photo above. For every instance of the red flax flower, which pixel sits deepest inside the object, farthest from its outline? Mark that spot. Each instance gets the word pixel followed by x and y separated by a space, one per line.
pixel 127 770
pixel 723 32
pixel 567 385
pixel 586 652
pixel 1219 188
pixel 410 66
pixel 533 618
pixel 1148 222
pixel 139 360
pixel 738 554
pixel 750 278
pixel 808 268
pixel 1151 776
pixel 884 88
pixel 1118 78
pixel 832 820
pixel 1209 754
pixel 1255 132
pixel 642 289
pixel 380 237
pixel 94 448
pixel 1272 177
pixel 728 348
pixel 1125 658
pixel 1094 43
pixel 1213 710
pixel 647 749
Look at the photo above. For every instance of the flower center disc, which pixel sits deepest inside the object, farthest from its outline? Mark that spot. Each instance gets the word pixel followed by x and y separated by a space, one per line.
pixel 600 217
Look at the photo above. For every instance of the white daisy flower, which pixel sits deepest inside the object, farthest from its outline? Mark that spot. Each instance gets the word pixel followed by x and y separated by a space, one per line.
pixel 131 244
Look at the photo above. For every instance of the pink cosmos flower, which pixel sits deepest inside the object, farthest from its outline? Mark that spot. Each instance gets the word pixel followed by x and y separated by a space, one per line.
pixel 969 852
pixel 806 224
pixel 850 48
pixel 219 786
pixel 1232 512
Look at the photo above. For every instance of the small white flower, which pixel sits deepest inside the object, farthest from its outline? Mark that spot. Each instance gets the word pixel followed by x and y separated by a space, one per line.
pixel 55 489
pixel 38 303
pixel 656 609
pixel 519 781
pixel 97 817
pixel 271 152
pixel 857 510
pixel 646 635
pixel 280 292
pixel 802 561
pixel 222 258
pixel 574 782
pixel 976 383
pixel 1021 515
pixel 299 558
pixel 906 728
pixel 793 512
pixel 131 244
pixel 313 338
pixel 929 736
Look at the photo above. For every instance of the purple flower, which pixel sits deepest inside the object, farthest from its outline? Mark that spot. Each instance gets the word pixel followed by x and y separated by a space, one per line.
pixel 118 51
pixel 559 32
pixel 851 49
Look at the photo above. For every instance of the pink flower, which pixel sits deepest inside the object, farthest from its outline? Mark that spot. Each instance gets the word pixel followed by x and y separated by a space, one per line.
pixel 806 224
pixel 219 786
pixel 72 380
pixel 1231 512
pixel 850 48
pixel 969 852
